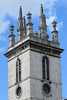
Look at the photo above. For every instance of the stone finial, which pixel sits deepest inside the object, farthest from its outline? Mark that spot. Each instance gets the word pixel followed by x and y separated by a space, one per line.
pixel 54 25
pixel 20 25
pixel 29 25
pixel 11 37
pixel 36 34
pixel 29 17
pixel 54 32
pixel 12 28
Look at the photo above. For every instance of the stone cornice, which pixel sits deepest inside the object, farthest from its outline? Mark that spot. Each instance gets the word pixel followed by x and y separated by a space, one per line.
pixel 35 44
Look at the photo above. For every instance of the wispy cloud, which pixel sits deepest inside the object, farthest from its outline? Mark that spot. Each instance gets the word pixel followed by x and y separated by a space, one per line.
pixel 4 26
pixel 60 24
pixel 49 22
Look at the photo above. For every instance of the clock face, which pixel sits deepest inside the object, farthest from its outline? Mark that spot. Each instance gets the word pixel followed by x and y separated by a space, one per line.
pixel 19 91
pixel 46 88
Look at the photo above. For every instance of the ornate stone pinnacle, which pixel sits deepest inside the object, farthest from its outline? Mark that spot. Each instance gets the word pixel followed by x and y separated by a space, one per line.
pixel 29 25
pixel 11 37
pixel 55 33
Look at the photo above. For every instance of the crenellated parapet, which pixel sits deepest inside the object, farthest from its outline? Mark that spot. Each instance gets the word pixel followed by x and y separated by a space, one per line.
pixel 25 31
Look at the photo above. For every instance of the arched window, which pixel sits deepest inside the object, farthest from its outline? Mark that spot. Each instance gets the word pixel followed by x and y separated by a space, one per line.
pixel 45 68
pixel 18 70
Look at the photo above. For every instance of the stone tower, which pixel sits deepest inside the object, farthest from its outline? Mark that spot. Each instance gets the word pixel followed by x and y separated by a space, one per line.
pixel 34 69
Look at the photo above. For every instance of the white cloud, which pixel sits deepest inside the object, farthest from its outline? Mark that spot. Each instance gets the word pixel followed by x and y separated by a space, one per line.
pixel 60 24
pixel 4 26
pixel 12 6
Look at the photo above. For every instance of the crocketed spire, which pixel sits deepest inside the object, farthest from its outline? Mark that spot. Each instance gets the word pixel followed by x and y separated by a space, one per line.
pixel 41 13
pixel 20 25
pixel 43 26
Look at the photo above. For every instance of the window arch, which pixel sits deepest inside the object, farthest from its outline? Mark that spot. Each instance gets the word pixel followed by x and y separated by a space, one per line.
pixel 18 70
pixel 45 68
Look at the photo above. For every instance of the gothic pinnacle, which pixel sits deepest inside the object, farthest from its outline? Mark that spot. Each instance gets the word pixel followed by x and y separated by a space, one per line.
pixel 20 25
pixel 43 26
pixel 20 12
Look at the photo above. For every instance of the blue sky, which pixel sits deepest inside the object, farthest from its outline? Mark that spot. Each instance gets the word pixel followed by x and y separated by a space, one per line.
pixel 9 10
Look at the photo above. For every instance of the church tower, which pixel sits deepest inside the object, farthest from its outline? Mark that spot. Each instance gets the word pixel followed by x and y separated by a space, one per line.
pixel 34 67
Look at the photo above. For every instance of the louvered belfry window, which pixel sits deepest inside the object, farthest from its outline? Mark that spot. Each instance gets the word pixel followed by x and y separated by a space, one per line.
pixel 45 68
pixel 18 70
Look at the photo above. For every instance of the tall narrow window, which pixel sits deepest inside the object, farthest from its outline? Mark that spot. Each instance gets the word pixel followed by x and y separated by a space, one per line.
pixel 45 68
pixel 18 70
